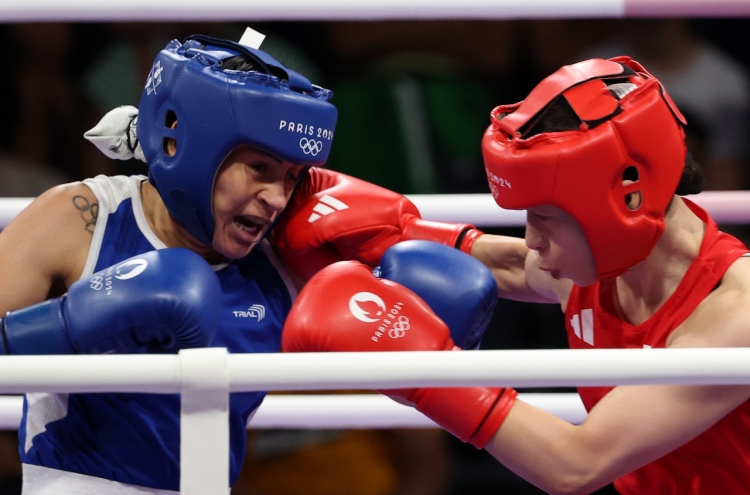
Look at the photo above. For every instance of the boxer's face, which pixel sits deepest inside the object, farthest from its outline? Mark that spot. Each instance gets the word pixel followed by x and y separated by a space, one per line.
pixel 250 191
pixel 560 245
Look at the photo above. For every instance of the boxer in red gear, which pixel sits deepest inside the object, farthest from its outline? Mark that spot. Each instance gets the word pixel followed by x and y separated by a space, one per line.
pixel 333 217
pixel 596 155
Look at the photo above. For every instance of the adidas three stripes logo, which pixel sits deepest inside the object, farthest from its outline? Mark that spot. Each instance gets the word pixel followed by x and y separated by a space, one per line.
pixel 326 206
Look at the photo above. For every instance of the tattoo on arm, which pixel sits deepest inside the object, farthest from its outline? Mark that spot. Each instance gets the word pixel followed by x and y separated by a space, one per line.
pixel 88 211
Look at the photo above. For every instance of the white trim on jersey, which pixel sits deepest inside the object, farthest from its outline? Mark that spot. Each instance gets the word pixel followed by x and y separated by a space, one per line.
pixel 38 480
pixel 140 216
pixel 276 262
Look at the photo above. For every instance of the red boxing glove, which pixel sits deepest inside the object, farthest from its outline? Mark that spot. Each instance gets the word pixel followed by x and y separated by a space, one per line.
pixel 333 217
pixel 344 308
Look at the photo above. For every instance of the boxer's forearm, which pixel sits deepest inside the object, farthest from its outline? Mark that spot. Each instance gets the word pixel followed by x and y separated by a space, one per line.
pixel 505 257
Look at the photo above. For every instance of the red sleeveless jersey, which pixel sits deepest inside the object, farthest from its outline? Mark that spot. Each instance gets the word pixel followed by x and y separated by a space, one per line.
pixel 718 460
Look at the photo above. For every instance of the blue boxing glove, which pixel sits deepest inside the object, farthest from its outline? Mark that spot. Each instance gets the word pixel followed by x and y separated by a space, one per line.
pixel 170 298
pixel 458 288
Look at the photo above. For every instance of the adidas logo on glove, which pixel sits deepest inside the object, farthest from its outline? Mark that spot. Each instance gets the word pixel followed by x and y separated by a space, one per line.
pixel 326 206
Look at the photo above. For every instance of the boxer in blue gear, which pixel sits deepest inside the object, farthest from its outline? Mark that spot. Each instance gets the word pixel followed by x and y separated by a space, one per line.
pixel 227 132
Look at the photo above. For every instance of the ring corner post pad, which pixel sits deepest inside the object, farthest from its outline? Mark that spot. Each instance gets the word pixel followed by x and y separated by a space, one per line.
pixel 204 421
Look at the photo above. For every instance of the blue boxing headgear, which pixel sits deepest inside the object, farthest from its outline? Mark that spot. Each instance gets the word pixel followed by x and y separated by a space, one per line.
pixel 271 107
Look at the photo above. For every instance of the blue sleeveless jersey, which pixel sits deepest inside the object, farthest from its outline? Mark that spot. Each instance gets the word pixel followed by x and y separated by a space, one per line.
pixel 135 438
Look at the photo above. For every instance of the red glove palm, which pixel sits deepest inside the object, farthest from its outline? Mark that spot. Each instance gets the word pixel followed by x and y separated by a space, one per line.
pixel 333 217
pixel 344 308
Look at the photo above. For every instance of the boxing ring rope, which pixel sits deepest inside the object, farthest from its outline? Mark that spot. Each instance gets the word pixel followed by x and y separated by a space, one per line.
pixel 300 10
pixel 726 207
pixel 204 378
pixel 336 412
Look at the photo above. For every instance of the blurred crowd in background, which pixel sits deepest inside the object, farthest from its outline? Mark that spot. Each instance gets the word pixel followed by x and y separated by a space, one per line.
pixel 414 99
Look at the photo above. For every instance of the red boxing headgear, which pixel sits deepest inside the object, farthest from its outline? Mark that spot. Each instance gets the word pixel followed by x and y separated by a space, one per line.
pixel 628 123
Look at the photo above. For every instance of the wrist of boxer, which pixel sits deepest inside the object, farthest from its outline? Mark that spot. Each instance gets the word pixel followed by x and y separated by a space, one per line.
pixel 471 414
pixel 494 419
pixel 467 237
pixel 458 235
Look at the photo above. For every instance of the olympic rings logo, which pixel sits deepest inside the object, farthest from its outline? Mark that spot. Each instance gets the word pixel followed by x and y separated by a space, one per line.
pixel 97 282
pixel 310 146
pixel 399 328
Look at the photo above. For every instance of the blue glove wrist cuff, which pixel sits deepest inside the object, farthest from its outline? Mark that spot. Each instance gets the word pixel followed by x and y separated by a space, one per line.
pixel 38 329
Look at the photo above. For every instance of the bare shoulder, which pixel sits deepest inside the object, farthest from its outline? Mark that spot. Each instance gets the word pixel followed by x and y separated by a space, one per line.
pixel 66 207
pixel 723 318
pixel 47 242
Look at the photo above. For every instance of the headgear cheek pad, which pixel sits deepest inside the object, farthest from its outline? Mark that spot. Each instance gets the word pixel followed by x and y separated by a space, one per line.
pixel 270 107
pixel 629 130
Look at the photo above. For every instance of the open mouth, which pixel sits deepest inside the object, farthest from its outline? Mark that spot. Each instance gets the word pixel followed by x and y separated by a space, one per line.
pixel 249 226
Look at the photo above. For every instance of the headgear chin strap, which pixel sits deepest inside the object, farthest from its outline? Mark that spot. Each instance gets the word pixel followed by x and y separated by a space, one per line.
pixel 270 107
pixel 630 129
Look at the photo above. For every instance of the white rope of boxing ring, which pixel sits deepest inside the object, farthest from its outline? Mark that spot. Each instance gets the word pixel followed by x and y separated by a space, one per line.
pixel 204 377
pixel 726 207
pixel 263 10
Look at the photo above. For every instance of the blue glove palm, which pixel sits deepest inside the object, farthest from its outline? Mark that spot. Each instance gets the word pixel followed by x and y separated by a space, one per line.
pixel 170 297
